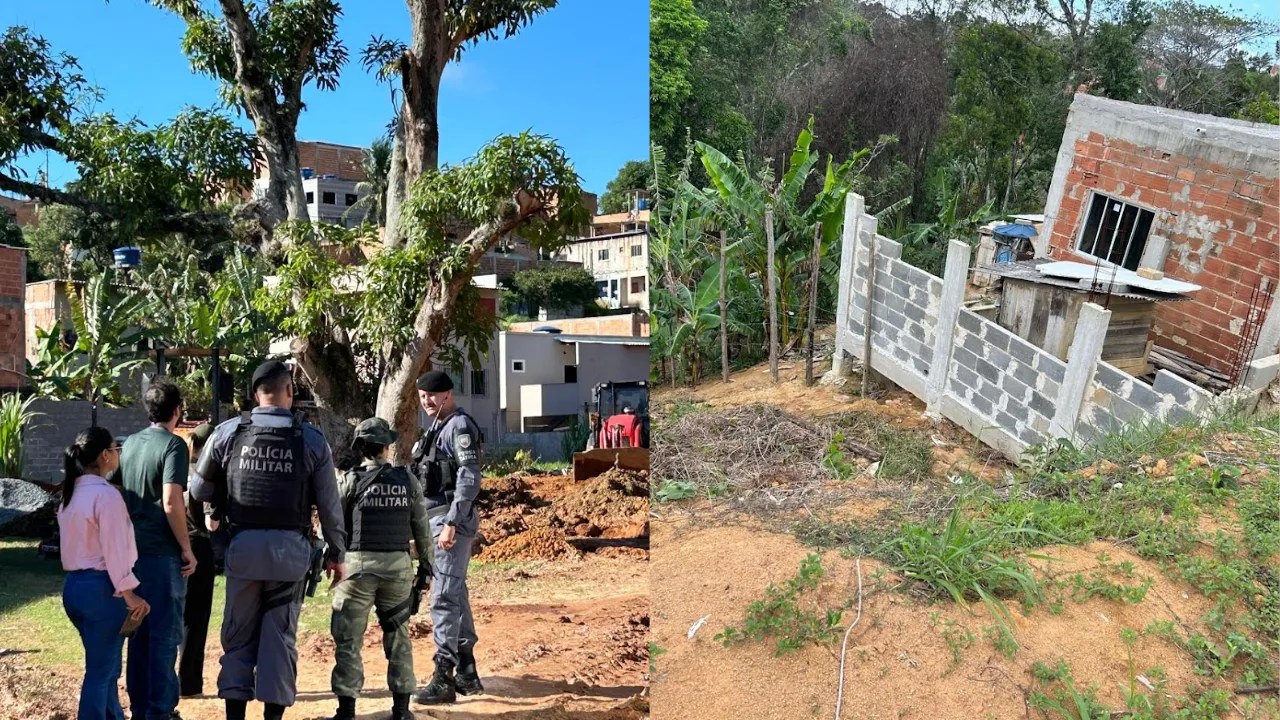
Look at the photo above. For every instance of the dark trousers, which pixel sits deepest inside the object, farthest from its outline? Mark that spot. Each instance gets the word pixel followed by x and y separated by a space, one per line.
pixel 150 676
pixel 91 605
pixel 195 619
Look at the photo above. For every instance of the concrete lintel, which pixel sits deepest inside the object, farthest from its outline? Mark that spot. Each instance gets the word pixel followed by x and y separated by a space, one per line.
pixel 1261 372
pixel 1082 360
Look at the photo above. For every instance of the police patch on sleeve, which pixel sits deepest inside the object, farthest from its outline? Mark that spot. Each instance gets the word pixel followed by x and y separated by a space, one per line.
pixel 465 448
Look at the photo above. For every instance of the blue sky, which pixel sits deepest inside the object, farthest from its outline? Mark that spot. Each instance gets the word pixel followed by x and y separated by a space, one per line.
pixel 579 73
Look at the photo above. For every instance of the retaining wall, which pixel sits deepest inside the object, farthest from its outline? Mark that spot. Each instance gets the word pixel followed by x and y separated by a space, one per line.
pixel 1004 390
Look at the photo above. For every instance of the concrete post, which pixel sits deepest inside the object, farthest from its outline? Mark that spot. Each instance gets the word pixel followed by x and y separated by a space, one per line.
pixel 853 208
pixel 954 279
pixel 1082 360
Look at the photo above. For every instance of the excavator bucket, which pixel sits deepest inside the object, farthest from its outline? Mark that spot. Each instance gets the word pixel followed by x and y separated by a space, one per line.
pixel 591 463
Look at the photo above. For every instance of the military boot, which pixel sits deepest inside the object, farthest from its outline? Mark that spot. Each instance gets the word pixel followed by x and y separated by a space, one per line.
pixel 441 690
pixel 468 679
pixel 346 708
pixel 400 707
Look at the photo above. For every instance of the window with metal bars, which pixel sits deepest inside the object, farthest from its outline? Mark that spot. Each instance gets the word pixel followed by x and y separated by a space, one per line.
pixel 1115 231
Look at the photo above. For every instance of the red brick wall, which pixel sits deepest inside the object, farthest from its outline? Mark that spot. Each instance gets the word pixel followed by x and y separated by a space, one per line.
pixel 13 328
pixel 1223 227
pixel 326 159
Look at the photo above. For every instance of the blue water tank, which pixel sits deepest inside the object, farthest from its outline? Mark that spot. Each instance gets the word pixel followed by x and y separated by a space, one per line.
pixel 127 257
pixel 307 173
pixel 642 204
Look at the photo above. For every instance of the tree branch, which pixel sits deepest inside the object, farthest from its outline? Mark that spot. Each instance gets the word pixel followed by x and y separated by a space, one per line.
pixel 47 194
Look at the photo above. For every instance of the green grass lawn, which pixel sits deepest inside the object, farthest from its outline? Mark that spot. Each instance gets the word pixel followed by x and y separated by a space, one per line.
pixel 32 618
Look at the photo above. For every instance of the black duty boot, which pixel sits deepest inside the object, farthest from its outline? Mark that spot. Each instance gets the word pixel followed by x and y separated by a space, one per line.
pixel 441 689
pixel 468 679
pixel 236 709
pixel 271 711
pixel 346 708
pixel 400 706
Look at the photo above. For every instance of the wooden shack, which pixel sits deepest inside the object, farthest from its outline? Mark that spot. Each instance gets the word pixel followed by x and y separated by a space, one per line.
pixel 1043 310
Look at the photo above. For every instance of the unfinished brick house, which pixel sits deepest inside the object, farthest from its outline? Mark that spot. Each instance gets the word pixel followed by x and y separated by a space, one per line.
pixel 13 280
pixel 1195 196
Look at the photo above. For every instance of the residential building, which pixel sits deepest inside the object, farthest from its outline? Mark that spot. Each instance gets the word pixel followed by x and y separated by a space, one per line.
pixel 341 161
pixel 620 264
pixel 21 210
pixel 329 197
pixel 632 324
pixel 546 379
pixel 1194 196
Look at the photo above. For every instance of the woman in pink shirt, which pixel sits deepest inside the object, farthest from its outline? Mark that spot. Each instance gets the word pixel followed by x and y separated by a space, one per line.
pixel 98 553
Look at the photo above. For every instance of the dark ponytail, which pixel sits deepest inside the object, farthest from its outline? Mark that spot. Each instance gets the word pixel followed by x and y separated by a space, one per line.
pixel 84 451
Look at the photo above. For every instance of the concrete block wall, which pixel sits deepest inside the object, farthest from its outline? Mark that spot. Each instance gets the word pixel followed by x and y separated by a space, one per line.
pixel 1007 392
pixel 50 433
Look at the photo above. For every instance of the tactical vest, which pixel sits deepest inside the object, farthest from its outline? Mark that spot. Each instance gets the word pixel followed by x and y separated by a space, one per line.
pixel 266 480
pixel 437 470
pixel 378 520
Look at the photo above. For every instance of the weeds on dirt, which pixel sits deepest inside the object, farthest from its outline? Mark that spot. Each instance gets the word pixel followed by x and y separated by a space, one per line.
pixel 780 616
pixel 673 490
pixel 958 637
pixel 1001 640
pixel 960 562
pixel 654 652
pixel 1059 694
pixel 833 459
pixel 908 456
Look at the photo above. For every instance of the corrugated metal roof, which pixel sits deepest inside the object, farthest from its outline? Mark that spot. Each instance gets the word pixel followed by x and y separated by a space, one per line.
pixel 1027 270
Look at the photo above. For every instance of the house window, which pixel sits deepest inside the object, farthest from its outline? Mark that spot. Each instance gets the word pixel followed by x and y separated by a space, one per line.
pixel 456 378
pixel 637 283
pixel 571 373
pixel 311 198
pixel 602 288
pixel 350 199
pixel 517 366
pixel 1115 231
pixel 602 254
pixel 637 250
pixel 329 198
pixel 478 387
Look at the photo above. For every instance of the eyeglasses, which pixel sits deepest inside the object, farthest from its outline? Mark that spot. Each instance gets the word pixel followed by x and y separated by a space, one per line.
pixel 113 448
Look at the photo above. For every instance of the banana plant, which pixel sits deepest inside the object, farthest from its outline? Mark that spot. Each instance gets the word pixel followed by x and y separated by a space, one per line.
pixel 743 201
pixel 107 335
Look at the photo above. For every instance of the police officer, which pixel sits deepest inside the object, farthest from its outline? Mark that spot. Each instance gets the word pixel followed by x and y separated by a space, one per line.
pixel 447 459
pixel 383 509
pixel 265 473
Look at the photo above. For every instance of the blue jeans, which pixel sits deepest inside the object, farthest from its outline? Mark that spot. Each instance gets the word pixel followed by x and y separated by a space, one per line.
pixel 88 598
pixel 152 677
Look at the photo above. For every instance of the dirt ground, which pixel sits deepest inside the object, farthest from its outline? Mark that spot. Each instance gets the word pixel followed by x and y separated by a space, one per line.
pixel 563 636
pixel 902 660
pixel 898 663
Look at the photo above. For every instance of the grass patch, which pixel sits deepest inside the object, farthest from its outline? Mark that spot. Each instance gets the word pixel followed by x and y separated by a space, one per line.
pixel 908 456
pixel 779 614
pixel 959 561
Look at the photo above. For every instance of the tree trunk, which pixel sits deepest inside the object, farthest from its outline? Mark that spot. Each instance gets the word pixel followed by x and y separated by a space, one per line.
pixel 724 314
pixel 274 121
pixel 329 367
pixel 396 190
pixel 773 305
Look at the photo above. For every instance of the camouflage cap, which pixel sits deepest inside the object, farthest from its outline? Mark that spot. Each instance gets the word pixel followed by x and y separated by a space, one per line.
pixel 376 431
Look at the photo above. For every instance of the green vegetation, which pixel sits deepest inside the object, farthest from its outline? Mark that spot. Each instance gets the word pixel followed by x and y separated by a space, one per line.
pixel 15 415
pixel 779 614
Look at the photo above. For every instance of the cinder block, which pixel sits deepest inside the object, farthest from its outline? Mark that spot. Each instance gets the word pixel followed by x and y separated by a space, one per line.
pixel 1052 368
pixel 1025 374
pixel 983 405
pixel 965 358
pixel 921 366
pixel 970 322
pixel 965 376
pixel 973 344
pixel 998 357
pixel 916 330
pixel 1024 353
pixel 1018 392
pixel 1041 404
pixel 987 371
pixel 897 303
pixel 1112 379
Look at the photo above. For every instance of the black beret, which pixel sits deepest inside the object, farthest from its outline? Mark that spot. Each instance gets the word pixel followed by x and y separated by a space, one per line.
pixel 268 370
pixel 435 381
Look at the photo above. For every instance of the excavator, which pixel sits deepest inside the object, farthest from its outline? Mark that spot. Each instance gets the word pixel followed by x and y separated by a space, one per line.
pixel 611 448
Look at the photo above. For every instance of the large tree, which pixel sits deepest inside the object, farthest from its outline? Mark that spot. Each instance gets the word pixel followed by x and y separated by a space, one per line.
pixel 136 182
pixel 265 54
pixel 441 32
pixel 414 303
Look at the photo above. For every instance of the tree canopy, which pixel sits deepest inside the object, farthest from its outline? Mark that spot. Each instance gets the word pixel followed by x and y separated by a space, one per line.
pixel 634 175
